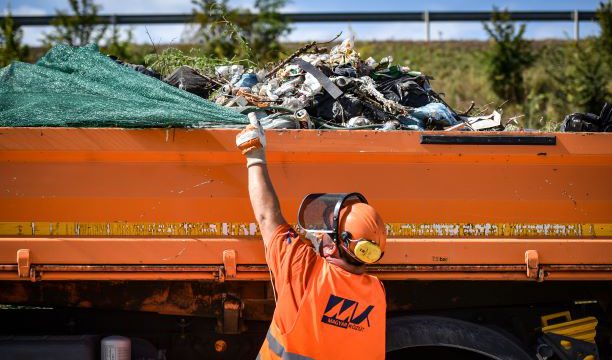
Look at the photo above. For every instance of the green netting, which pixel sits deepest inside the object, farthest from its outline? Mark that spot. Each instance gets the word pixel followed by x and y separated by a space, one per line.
pixel 79 86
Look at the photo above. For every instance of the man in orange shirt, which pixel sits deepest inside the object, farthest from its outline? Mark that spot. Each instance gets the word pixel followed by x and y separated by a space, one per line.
pixel 327 306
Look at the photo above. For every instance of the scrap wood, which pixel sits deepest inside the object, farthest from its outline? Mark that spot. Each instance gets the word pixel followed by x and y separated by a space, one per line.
pixel 212 80
pixel 467 111
pixel 259 101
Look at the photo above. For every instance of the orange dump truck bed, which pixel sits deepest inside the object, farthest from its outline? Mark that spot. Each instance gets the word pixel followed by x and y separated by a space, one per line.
pixel 172 204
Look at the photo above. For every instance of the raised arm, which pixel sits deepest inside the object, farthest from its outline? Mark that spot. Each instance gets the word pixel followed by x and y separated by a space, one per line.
pixel 252 142
pixel 264 201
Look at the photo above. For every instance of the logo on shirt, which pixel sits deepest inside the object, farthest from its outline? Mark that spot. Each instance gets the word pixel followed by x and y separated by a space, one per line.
pixel 346 314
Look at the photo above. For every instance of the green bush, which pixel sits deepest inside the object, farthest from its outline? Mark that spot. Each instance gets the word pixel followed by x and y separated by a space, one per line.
pixel 604 18
pixel 121 48
pixel 581 71
pixel 509 56
pixel 580 76
pixel 10 42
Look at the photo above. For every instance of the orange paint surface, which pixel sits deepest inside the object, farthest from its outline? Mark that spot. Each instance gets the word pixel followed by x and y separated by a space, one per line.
pixel 180 175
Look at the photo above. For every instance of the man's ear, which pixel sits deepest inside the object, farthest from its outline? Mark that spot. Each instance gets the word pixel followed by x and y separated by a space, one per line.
pixel 329 249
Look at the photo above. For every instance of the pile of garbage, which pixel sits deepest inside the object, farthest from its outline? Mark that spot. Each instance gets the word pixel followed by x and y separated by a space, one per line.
pixel 311 89
pixel 334 89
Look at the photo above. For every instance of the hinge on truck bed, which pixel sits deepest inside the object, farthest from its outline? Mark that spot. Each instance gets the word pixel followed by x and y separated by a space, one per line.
pixel 533 266
pixel 229 263
pixel 23 263
pixel 228 270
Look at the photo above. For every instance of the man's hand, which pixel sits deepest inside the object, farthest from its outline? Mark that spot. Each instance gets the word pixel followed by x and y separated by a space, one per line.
pixel 252 142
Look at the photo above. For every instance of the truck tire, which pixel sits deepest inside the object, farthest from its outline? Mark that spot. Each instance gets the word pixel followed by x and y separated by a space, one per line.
pixel 434 331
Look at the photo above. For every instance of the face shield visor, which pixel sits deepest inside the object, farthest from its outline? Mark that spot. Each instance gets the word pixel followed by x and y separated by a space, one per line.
pixel 319 214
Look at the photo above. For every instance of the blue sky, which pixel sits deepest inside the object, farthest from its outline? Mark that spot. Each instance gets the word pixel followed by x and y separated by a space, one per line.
pixel 302 32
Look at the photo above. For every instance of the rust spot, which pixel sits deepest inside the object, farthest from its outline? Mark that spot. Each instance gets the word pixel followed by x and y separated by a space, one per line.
pixel 85 304
pixel 176 300
pixel 17 295
pixel 188 298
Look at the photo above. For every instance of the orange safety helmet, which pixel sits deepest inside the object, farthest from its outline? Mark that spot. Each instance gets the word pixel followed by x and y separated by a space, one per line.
pixel 354 225
pixel 359 227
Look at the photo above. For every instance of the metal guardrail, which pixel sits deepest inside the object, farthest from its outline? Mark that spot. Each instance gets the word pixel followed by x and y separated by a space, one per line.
pixel 426 17
pixel 129 19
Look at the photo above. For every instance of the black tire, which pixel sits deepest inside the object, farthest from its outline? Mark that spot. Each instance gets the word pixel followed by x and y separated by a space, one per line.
pixel 433 331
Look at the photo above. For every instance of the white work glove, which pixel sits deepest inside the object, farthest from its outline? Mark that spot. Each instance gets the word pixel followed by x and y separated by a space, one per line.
pixel 252 142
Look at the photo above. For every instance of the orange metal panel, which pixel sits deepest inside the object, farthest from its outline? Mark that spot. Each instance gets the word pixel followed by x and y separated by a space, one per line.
pixel 164 251
pixel 264 276
pixel 196 176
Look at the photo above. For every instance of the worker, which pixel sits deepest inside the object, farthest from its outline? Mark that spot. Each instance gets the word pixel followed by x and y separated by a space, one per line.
pixel 327 307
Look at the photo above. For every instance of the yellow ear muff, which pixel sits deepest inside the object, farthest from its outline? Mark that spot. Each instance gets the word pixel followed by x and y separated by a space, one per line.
pixel 367 251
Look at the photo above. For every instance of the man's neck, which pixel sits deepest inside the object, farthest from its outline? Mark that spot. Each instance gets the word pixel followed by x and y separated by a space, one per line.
pixel 343 264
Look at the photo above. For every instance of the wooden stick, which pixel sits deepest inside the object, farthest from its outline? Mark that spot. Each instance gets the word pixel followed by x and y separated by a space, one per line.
pixel 297 53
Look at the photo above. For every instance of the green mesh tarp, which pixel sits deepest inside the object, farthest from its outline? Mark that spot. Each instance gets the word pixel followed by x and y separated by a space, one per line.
pixel 81 87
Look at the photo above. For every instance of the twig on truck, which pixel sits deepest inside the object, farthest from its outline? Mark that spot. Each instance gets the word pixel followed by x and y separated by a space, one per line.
pixel 297 53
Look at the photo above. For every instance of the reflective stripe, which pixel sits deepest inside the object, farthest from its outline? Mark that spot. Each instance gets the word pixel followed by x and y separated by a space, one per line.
pixel 278 349
pixel 292 356
pixel 274 345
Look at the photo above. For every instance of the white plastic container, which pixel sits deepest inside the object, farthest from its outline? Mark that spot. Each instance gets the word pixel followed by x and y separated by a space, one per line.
pixel 116 348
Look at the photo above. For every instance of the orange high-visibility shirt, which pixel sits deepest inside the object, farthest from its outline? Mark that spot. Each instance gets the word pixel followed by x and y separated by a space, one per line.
pixel 323 311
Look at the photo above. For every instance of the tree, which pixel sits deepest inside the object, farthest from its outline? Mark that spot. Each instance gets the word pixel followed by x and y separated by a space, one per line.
pixel 10 41
pixel 581 70
pixel 78 28
pixel 267 29
pixel 508 58
pixel 604 19
pixel 580 76
pixel 233 32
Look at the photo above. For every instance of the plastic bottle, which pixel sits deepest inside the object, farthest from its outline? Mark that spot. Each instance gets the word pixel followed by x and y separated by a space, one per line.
pixel 116 348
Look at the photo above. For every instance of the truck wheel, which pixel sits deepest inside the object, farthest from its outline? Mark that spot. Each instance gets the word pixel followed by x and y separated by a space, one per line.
pixel 439 332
